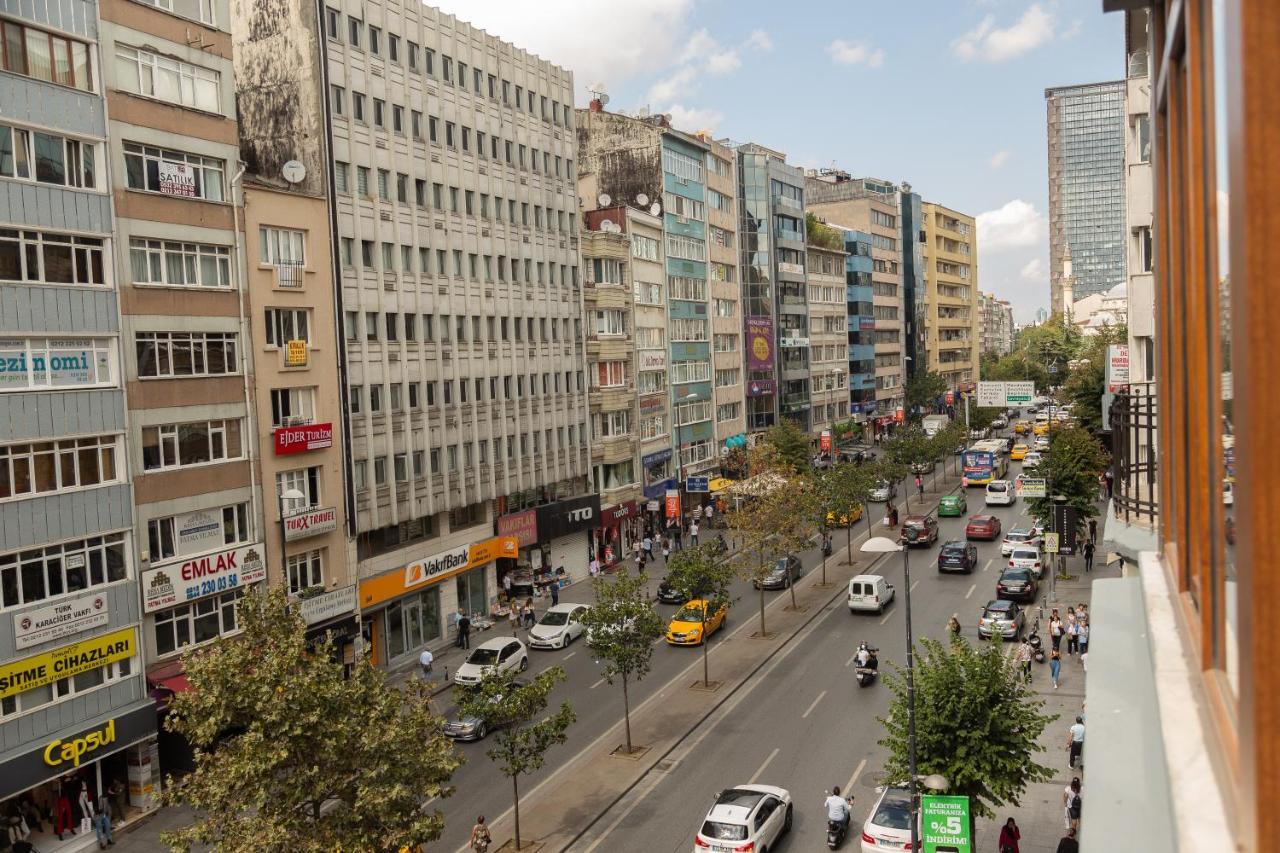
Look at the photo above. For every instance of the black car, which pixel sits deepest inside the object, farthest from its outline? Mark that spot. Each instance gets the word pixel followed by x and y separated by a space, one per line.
pixel 957 556
pixel 786 571
pixel 1016 584
pixel 667 594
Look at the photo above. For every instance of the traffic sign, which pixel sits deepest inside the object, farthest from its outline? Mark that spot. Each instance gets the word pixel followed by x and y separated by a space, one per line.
pixel 1051 543
pixel 944 824
pixel 1019 392
pixel 1032 487
pixel 697 484
pixel 990 394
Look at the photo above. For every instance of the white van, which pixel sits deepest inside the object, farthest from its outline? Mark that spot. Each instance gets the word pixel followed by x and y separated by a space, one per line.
pixel 869 592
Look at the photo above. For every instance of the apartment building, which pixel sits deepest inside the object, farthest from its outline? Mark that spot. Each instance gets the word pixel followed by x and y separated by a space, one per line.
pixel 871 206
pixel 828 335
pixel 1138 205
pixel 861 323
pixel 952 315
pixel 996 325
pixel 69 558
pixel 726 293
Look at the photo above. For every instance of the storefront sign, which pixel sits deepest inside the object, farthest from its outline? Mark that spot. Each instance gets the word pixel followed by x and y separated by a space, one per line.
pixel 612 515
pixel 650 405
pixel 1117 367
pixel 759 343
pixel 701 485
pixel 60 620
pixel 653 359
pixel 761 387
pixel 298 439
pixel 656 458
pixel 825 440
pixel 330 605
pixel 395 583
pixel 521 525
pixel 208 575
pixel 54 363
pixel 198 531
pixel 570 516
pixel 944 824
pixel 44 669
pixel 295 354
pixel 54 756
pixel 673 503
pixel 177 179
pixel 651 506
pixel 312 522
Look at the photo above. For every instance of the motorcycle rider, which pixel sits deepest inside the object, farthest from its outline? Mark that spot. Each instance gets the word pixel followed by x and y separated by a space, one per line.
pixel 838 807
pixel 864 656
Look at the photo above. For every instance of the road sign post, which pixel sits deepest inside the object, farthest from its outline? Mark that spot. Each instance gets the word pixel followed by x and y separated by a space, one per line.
pixel 1051 543
pixel 944 821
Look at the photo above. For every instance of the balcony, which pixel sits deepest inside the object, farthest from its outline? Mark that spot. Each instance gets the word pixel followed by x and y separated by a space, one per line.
pixel 289 274
pixel 1135 490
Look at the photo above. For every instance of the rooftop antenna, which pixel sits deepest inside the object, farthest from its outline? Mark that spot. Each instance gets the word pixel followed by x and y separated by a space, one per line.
pixel 642 199
pixel 598 92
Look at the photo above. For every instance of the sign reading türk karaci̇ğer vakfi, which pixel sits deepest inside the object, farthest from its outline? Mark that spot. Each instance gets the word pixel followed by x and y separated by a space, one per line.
pixel 33 627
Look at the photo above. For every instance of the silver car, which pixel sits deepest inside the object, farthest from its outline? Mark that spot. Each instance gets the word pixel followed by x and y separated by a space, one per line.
pixel 882 492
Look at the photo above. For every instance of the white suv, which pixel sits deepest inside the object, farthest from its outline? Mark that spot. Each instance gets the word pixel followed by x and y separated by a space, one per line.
pixel 748 817
pixel 1023 557
pixel 1000 493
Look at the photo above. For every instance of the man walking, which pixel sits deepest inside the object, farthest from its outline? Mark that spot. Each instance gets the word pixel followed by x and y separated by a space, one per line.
pixel 1068 843
pixel 920 485
pixel 1075 743
pixel 1088 556
pixel 693 533
pixel 464 631
pixel 425 660
pixel 1024 659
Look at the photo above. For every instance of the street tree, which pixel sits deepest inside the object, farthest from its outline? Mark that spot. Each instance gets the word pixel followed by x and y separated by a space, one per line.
pixel 792 448
pixel 909 448
pixel 1087 381
pixel 288 747
pixel 838 500
pixel 512 708
pixel 978 723
pixel 700 573
pixel 947 439
pixel 1071 470
pixel 922 391
pixel 622 627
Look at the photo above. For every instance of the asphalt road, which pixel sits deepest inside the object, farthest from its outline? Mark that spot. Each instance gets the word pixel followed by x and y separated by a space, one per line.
pixel 803 723
pixel 826 744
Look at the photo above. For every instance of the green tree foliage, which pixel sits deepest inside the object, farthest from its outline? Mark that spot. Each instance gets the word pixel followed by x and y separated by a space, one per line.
pixel 922 391
pixel 840 494
pixel 279 731
pixel 792 448
pixel 519 744
pixel 702 573
pixel 1073 465
pixel 1088 378
pixel 948 438
pixel 821 234
pixel 908 447
pixel 622 627
pixel 977 723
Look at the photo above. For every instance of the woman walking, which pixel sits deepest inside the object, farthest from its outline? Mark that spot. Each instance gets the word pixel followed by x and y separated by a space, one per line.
pixel 1055 664
pixel 1071 803
pixel 1082 637
pixel 1055 629
pixel 1010 835
pixel 480 838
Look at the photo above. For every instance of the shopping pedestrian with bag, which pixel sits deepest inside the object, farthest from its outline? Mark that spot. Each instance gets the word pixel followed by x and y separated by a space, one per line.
pixel 1055 629
pixel 1010 835
pixel 1075 743
pixel 480 837
pixel 1071 805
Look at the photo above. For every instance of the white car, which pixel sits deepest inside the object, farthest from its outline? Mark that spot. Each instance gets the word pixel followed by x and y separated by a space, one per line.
pixel 1024 557
pixel 1031 461
pixel 1228 493
pixel 1019 536
pixel 882 492
pixel 1000 493
pixel 498 654
pixel 869 592
pixel 748 817
pixel 558 627
pixel 889 825
pixel 1042 442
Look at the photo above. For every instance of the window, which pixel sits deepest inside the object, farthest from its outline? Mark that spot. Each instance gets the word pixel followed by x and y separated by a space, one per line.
pixel 201 621
pixel 375 40
pixel 202 10
pixel 648 293
pixel 379 110
pixel 305 481
pixel 611 374
pixel 725 343
pixel 684 208
pixel 728 411
pixel 195 443
pixel 292 406
pixel 362 180
pixel 721 237
pixel 45 56
pixel 48 258
pixel 688 329
pixel 393 47
pixel 688 248
pixel 684 287
pixel 726 308
pixel 333 22
pixel 56 363
pixel 178 354
pixel 1144 253
pixel 682 166
pixel 53 571
pixel 173 172
pixel 47 158
pixel 305 571
pixel 645 247
pixel 611 322
pixel 648 337
pixel 158 262
pixel 281 246
pixel 695 452
pixel 413 56
pixel 187 534
pixel 692 412
pixel 62 465
pixel 651 382
pixel 355 28
pixel 611 424
pixel 719 201
pixel 606 271
pixel 170 80
pixel 357 106
pixel 690 371
pixel 653 426
pixel 728 376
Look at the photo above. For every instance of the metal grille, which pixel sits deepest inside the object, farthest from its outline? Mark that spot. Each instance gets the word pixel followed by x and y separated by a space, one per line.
pixel 1135 489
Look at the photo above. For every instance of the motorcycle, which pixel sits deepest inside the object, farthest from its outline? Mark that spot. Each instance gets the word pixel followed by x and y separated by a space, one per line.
pixel 1033 640
pixel 838 829
pixel 866 673
pixel 826 546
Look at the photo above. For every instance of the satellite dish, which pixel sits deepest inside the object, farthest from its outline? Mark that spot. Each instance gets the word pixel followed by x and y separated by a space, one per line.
pixel 655 209
pixel 293 172
pixel 603 199
pixel 642 199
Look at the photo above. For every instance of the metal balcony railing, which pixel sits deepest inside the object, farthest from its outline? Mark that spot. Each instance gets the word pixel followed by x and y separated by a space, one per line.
pixel 1135 489
pixel 288 274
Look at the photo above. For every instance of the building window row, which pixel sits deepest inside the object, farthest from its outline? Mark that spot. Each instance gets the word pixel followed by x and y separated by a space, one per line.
pixel 47 158
pixel 170 355
pixel 392 327
pixel 46 257
pixel 469 266
pixel 165 79
pixel 464 456
pixel 194 623
pixel 174 173
pixel 645 248
pixel 686 248
pixel 412 396
pixel 44 56
pixel 196 443
pixel 63 465
pixel 170 263
pixel 188 534
pixel 56 363
pixel 67 568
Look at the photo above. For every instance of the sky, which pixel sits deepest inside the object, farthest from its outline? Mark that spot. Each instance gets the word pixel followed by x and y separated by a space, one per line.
pixel 947 95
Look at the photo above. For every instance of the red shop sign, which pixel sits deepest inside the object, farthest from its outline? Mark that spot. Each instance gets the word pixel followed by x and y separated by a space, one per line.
pixel 610 516
pixel 298 439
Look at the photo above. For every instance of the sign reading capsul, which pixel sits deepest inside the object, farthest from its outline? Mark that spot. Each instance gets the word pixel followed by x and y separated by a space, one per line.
pixel 200 576
pixel 569 516
pixel 43 669
pixel 33 627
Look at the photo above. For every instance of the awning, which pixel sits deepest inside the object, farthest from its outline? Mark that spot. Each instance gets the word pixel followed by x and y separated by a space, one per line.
pixel 165 680
pixel 719 484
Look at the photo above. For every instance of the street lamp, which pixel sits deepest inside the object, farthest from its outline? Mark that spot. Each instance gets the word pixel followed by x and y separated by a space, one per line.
pixel 286 495
pixel 884 545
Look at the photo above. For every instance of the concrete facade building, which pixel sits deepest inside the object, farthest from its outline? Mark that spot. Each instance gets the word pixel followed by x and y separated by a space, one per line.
pixel 828 338
pixel 1086 130
pixel 996 321
pixel 724 263
pixel 861 325
pixel 953 322
pixel 1141 309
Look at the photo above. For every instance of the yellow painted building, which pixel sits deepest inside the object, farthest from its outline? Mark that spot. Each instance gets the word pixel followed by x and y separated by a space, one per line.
pixel 952 319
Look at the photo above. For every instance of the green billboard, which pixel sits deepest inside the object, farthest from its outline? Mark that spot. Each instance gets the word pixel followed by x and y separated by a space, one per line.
pixel 944 824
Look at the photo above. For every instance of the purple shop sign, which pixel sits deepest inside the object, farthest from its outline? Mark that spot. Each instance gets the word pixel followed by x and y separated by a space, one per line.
pixel 761 387
pixel 759 343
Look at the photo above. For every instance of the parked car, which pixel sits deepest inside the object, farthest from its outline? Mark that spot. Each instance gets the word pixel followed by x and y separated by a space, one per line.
pixel 957 555
pixel 919 530
pixel 953 505
pixel 472 727
pixel 498 654
pixel 786 571
pixel 748 817
pixel 668 594
pixel 884 491
pixel 558 627
pixel 1001 618
pixel 686 627
pixel 844 519
pixel 1019 536
pixel 869 592
pixel 1000 493
pixel 1026 557
pixel 982 527
pixel 1016 585
pixel 889 825
pixel 1041 443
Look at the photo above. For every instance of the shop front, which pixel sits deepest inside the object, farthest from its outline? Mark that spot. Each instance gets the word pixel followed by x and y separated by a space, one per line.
pixel 406 609
pixel 556 545
pixel 620 525
pixel 334 615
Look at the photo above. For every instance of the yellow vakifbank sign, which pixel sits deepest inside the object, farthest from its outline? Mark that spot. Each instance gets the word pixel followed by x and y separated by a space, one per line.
pixel 43 669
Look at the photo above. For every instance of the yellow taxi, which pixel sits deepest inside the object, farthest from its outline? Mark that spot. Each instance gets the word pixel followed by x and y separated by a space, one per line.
pixel 686 628
pixel 1022 427
pixel 845 518
pixel 1019 451
pixel 1041 428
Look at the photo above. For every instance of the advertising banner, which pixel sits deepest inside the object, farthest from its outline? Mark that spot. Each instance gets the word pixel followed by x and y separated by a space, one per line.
pixel 523 526
pixel 311 522
pixel 33 627
pixel 177 179
pixel 329 605
pixel 825 440
pixel 200 576
pixel 1117 367
pixel 44 669
pixel 299 439
pixel 568 516
pixel 295 354
pixel 759 343
pixel 944 824
pixel 762 387
pixel 673 503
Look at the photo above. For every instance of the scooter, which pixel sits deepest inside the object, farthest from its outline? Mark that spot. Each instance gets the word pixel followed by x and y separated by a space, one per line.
pixel 867 674
pixel 1033 640
pixel 837 830
pixel 826 546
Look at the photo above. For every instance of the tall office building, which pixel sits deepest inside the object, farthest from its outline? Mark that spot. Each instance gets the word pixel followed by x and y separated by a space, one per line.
pixel 723 265
pixel 952 307
pixel 1086 127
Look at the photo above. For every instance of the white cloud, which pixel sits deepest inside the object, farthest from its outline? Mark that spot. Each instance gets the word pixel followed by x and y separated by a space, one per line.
pixel 680 83
pixel 1014 225
pixel 855 53
pixel 1077 27
pixel 1033 270
pixel 699 45
pixel 999 158
pixel 693 119
pixel 758 40
pixel 724 62
pixel 990 44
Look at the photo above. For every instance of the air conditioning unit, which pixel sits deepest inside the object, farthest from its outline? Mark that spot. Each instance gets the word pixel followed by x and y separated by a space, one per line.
pixel 435 158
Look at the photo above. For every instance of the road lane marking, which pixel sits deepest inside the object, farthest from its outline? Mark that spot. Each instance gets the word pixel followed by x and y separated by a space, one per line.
pixel 571 654
pixel 853 780
pixel 886 618
pixel 852 658
pixel 760 772
pixel 989 564
pixel 970 592
pixel 813 705
pixel 914 584
pixel 597 684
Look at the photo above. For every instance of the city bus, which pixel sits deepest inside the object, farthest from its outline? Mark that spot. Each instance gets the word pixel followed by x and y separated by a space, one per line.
pixel 985 461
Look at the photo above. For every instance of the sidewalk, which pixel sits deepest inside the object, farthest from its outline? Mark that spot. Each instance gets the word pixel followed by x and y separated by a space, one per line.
pixel 1040 815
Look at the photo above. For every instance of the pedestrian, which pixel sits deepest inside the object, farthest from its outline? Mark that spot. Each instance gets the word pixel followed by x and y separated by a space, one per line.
pixel 1073 632
pixel 920 485
pixel 1055 629
pixel 102 822
pixel 1088 556
pixel 1075 743
pixel 464 631
pixel 513 615
pixel 426 659
pixel 1083 638
pixel 1010 835
pixel 646 547
pixel 507 580
pixel 1093 530
pixel 635 551
pixel 666 550
pixel 711 510
pixel 1055 665
pixel 457 621
pixel 1068 843
pixel 480 838
pixel 554 587
pixel 1109 476
pixel 1071 804
pixel 693 533
pixel 594 566
pixel 1024 659
pixel 529 616
pixel 953 626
